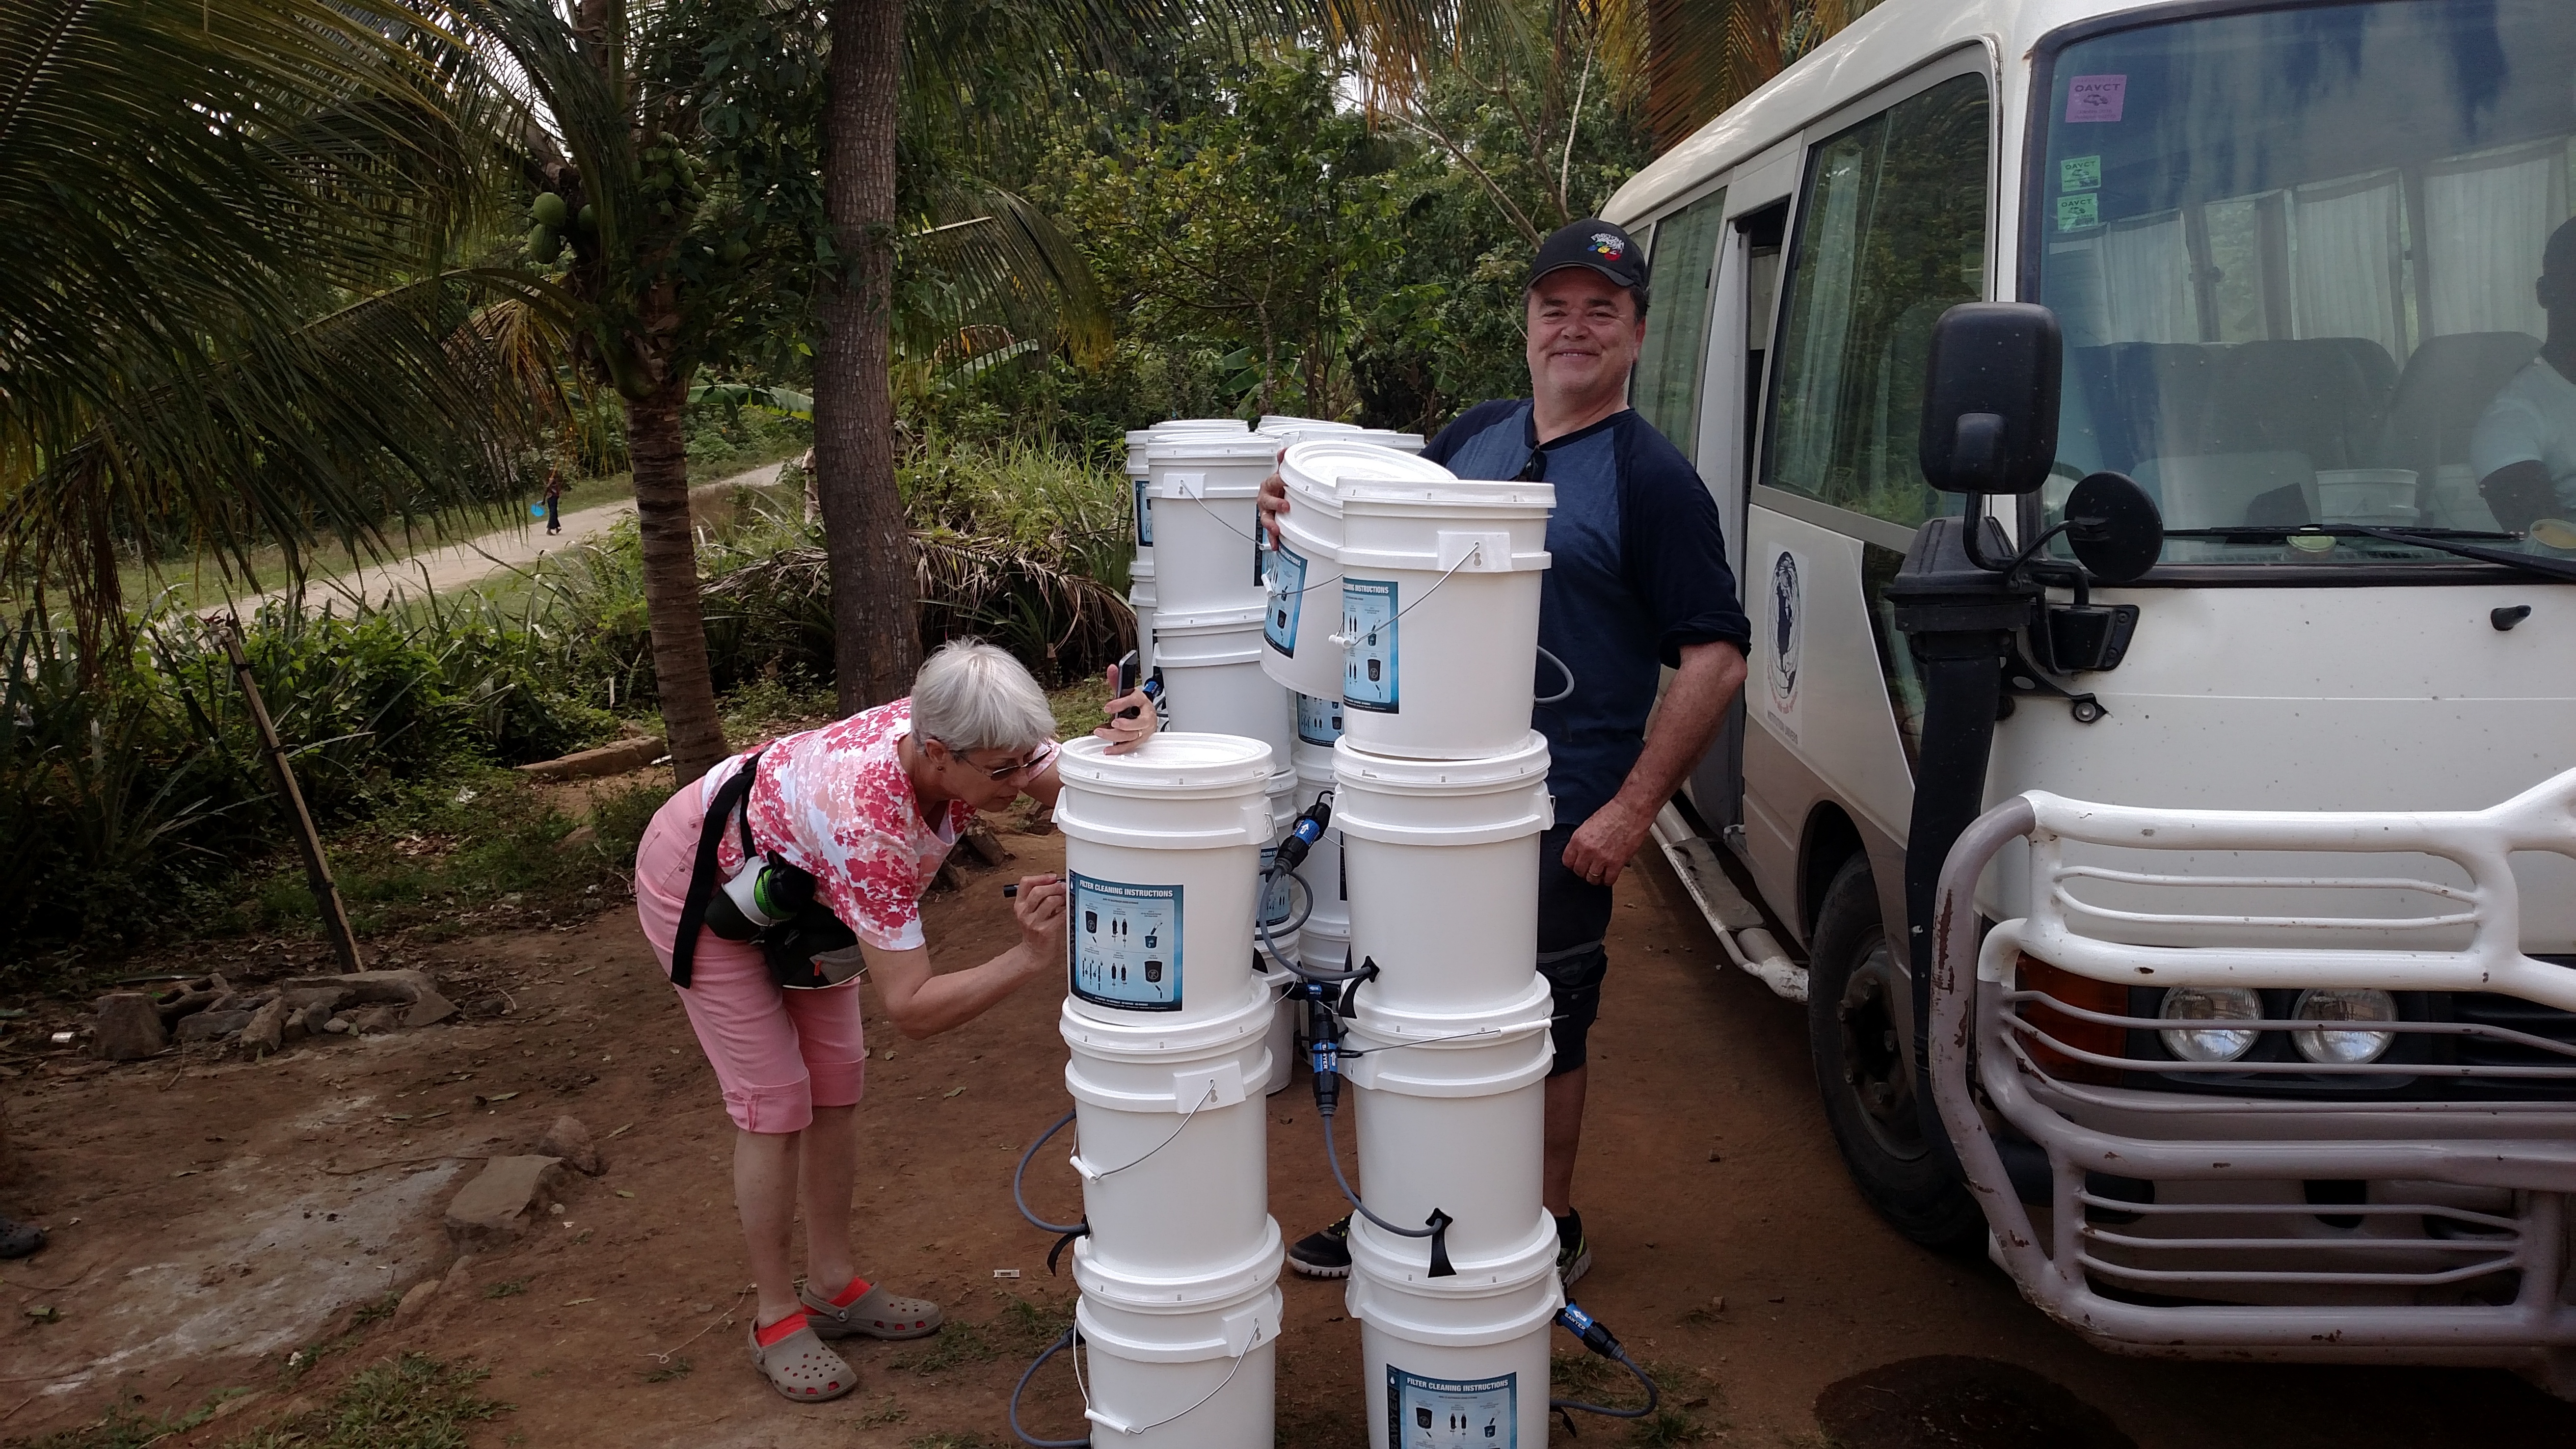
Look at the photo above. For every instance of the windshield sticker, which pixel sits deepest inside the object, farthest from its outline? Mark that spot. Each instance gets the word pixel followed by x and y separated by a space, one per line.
pixel 2079 213
pixel 1429 1413
pixel 1126 944
pixel 2096 97
pixel 1368 659
pixel 2080 173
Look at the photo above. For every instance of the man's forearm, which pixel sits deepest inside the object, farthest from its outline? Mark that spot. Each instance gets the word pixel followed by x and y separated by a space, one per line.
pixel 1685 723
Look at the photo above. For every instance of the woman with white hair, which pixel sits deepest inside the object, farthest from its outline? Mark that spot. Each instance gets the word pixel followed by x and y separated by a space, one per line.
pixel 764 888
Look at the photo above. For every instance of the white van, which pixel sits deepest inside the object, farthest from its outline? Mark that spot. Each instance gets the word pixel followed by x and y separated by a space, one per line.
pixel 2292 250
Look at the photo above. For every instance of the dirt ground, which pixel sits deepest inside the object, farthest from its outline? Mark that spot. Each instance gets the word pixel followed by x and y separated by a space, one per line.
pixel 222 1224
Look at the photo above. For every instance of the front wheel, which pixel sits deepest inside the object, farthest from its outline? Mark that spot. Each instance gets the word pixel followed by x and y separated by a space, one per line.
pixel 1858 1006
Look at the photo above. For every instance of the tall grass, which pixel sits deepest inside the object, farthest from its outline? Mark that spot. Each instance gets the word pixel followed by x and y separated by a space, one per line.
pixel 133 790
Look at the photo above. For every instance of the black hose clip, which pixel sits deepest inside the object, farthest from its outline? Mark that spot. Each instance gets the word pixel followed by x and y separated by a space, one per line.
pixel 1081 1231
pixel 1311 823
pixel 1439 1223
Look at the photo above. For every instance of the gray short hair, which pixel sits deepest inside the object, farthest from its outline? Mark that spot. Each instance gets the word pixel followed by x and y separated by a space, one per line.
pixel 971 695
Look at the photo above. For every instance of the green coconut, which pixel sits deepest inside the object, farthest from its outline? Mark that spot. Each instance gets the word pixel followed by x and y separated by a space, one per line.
pixel 550 210
pixel 588 221
pixel 544 242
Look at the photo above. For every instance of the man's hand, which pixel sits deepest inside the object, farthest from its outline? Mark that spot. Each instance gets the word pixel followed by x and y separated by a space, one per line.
pixel 1603 845
pixel 1274 501
pixel 1127 735
pixel 1040 910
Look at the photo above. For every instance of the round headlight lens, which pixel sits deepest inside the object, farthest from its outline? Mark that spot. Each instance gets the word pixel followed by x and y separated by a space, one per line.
pixel 2210 1004
pixel 2342 1047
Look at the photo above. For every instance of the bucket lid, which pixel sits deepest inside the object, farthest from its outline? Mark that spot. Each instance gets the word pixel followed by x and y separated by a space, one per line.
pixel 1186 448
pixel 1242 1279
pixel 1387 774
pixel 1447 495
pixel 1145 1038
pixel 1404 1264
pixel 1323 468
pixel 1312 762
pixel 1211 621
pixel 1389 437
pixel 1176 426
pixel 1478 1026
pixel 1173 762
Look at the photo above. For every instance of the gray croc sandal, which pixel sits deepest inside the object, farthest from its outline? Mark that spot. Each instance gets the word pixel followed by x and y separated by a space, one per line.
pixel 800 1367
pixel 874 1314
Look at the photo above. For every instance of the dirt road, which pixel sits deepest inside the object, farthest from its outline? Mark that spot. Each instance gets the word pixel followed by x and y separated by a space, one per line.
pixel 453 566
pixel 195 1248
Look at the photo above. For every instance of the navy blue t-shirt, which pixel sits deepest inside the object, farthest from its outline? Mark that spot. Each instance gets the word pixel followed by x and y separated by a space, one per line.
pixel 1638 570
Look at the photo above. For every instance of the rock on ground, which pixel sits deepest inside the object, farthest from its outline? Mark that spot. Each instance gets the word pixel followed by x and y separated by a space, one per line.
pixel 212 1025
pixel 129 1027
pixel 494 1208
pixel 570 1140
pixel 406 988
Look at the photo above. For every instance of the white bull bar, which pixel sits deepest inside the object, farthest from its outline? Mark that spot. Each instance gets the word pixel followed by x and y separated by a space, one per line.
pixel 2311 1288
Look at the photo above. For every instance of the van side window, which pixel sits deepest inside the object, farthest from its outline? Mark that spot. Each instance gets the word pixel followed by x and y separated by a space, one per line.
pixel 1891 233
pixel 1673 363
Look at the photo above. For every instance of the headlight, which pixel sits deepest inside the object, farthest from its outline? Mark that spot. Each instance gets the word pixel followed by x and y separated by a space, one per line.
pixel 2335 1047
pixel 2210 1004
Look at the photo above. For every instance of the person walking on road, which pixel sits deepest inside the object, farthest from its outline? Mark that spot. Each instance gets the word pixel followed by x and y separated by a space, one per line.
pixel 845 826
pixel 554 500
pixel 1639 583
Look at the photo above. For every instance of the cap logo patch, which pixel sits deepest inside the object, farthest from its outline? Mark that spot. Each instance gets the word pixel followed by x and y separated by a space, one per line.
pixel 1608 247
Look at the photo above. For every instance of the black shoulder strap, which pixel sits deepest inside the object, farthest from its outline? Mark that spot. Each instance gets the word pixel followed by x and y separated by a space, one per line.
pixel 729 798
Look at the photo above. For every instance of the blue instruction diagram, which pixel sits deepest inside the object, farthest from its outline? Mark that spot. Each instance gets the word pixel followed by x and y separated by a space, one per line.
pixel 1319 721
pixel 1426 1413
pixel 1287 583
pixel 1126 944
pixel 1368 660
pixel 1144 517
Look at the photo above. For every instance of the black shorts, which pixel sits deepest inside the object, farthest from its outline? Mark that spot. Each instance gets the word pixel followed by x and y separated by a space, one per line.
pixel 1573 916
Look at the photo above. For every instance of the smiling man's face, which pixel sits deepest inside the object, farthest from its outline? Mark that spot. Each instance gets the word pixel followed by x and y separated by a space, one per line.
pixel 1584 333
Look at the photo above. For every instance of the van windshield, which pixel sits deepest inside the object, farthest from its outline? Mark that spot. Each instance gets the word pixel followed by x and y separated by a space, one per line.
pixel 2315 267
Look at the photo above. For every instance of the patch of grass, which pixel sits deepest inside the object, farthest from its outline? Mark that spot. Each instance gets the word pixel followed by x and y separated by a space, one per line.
pixel 1668 1426
pixel 511 1289
pixel 954 1346
pixel 677 1368
pixel 1078 707
pixel 949 1441
pixel 886 1412
pixel 413 1402
pixel 1028 1324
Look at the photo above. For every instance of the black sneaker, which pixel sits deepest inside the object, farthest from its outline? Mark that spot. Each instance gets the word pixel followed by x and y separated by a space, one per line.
pixel 1325 1254
pixel 1573 1251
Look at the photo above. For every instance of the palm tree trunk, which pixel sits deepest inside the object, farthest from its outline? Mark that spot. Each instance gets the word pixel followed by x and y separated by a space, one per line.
pixel 657 448
pixel 875 623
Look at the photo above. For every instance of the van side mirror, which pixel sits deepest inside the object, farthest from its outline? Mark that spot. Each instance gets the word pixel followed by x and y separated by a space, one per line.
pixel 2114 528
pixel 1990 398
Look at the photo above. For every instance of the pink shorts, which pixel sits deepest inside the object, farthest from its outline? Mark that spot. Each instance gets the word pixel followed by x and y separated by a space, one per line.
pixel 778 1054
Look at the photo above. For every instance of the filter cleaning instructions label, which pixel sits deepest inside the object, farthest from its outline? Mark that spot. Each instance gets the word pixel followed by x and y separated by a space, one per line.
pixel 1126 944
pixel 1427 1413
pixel 1287 579
pixel 1368 660
pixel 1319 721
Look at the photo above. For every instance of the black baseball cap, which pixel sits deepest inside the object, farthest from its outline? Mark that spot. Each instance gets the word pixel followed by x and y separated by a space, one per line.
pixel 1594 243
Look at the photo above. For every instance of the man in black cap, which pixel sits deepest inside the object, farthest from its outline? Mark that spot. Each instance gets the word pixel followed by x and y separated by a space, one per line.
pixel 1638 583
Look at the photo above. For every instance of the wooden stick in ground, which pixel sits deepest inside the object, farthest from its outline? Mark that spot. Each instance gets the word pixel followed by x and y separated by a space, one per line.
pixel 317 868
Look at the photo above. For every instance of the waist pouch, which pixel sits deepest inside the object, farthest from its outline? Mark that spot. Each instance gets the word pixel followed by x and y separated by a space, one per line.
pixel 796 947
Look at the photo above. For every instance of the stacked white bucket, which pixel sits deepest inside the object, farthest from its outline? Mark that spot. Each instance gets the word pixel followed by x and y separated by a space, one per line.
pixel 1169 1030
pixel 1428 636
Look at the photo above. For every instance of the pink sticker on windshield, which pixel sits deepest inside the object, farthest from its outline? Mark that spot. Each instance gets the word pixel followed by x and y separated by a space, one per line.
pixel 2096 97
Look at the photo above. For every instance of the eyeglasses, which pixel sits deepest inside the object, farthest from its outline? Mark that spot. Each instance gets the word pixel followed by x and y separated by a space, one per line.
pixel 1045 752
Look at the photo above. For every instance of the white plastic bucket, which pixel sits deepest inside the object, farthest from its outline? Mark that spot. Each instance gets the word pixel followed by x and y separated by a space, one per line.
pixel 1390 438
pixel 1442 860
pixel 1278 897
pixel 1468 1354
pixel 1142 598
pixel 1282 1041
pixel 1440 589
pixel 1173 1148
pixel 1212 677
pixel 1137 443
pixel 1323 872
pixel 1161 851
pixel 1180 1364
pixel 1305 570
pixel 1452 1120
pixel 1207 548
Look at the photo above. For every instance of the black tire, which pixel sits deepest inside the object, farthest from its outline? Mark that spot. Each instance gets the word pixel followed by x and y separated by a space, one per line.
pixel 1855 981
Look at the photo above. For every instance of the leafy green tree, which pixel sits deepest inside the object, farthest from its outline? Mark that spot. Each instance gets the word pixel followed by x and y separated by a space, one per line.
pixel 233 313
pixel 671 152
